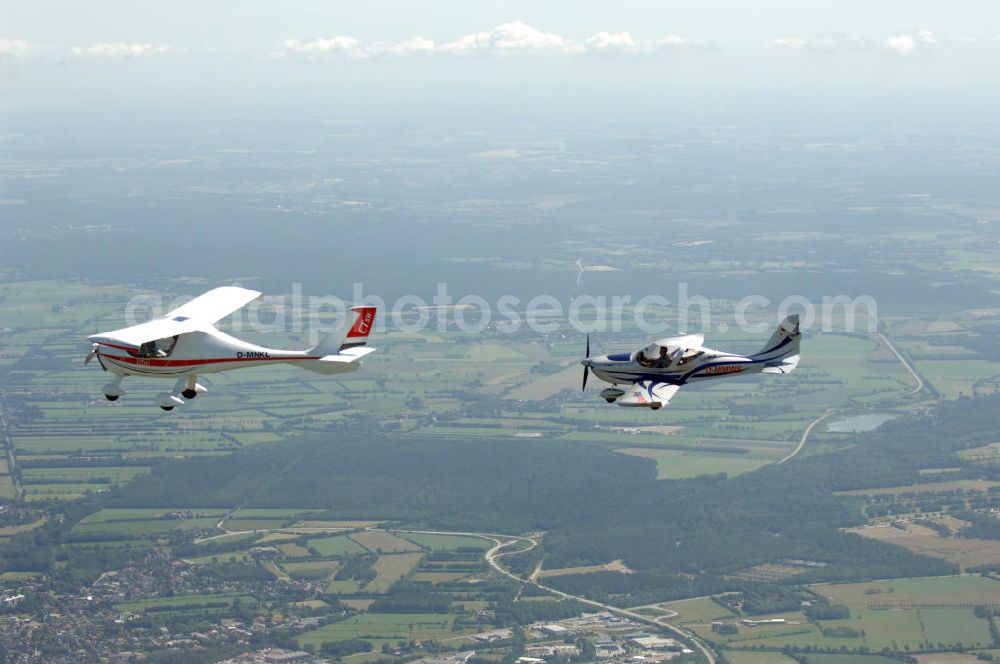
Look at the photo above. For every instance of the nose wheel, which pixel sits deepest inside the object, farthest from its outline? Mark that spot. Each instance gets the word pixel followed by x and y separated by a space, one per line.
pixel 189 394
pixel 167 408
pixel 112 397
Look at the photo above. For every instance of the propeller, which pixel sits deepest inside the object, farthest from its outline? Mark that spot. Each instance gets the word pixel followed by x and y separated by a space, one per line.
pixel 586 368
pixel 90 355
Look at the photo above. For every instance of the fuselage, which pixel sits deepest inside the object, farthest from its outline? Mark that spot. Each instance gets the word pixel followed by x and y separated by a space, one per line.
pixel 624 368
pixel 195 353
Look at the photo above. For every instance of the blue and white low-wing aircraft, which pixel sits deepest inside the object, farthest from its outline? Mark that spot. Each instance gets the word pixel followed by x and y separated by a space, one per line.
pixel 186 343
pixel 656 372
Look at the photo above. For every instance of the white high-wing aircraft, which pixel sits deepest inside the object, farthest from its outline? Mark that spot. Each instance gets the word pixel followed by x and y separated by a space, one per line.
pixel 658 371
pixel 186 343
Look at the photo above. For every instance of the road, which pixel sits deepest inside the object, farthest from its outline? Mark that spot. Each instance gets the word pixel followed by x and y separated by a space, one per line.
pixel 805 435
pixel 906 363
pixel 8 445
pixel 899 356
pixel 493 555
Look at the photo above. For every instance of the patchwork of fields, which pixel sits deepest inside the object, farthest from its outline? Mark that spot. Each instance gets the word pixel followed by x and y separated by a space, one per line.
pixel 901 615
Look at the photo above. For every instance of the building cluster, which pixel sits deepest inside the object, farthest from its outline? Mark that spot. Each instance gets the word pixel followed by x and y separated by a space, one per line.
pixel 270 656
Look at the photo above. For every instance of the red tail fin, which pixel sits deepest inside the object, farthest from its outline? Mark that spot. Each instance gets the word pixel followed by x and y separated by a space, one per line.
pixel 363 325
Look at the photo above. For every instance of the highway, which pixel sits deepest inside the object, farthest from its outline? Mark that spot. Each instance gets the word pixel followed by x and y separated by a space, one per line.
pixel 493 555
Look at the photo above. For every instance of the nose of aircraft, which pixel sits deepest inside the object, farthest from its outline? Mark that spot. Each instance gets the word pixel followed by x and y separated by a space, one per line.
pixel 587 362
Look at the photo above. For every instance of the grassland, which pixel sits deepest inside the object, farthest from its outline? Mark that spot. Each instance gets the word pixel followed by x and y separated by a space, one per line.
pixel 383 628
pixel 379 541
pixel 391 568
pixel 447 542
pixel 963 551
pixel 902 614
pixel 335 546
pixel 943 591
pixel 700 610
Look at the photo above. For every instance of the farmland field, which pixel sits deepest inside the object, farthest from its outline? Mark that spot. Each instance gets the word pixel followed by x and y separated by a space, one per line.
pixel 390 568
pixel 379 541
pixel 335 546
pixel 965 552
pixel 447 542
pixel 382 628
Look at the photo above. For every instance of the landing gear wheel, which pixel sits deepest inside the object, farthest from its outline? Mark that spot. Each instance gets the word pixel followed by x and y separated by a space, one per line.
pixel 656 406
pixel 610 400
pixel 167 407
pixel 189 394
pixel 111 397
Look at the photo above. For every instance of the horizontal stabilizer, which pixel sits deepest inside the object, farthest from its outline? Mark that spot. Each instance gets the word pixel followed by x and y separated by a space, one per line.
pixel 787 365
pixel 341 362
pixel 348 355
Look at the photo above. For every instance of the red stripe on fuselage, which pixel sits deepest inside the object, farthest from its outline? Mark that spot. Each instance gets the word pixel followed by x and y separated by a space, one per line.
pixel 166 362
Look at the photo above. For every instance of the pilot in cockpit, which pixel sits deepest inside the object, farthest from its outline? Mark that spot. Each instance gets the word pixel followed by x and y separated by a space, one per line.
pixel 654 356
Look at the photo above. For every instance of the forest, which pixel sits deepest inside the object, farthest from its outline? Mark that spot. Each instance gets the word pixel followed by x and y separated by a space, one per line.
pixel 595 505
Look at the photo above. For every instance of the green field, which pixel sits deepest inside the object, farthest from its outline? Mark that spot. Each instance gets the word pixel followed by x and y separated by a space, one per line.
pixel 391 568
pixel 967 590
pixel 140 605
pixel 382 628
pixel 338 545
pixel 145 528
pixel 447 542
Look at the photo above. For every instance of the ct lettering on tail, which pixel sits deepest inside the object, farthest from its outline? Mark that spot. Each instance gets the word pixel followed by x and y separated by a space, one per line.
pixel 362 327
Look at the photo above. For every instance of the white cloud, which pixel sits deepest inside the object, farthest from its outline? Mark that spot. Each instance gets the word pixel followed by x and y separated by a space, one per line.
pixel 515 36
pixel 787 42
pixel 830 42
pixel 671 41
pixel 905 45
pixel 15 48
pixel 351 47
pixel 619 43
pixel 967 39
pixel 611 42
pixel 408 47
pixel 124 50
pixel 338 45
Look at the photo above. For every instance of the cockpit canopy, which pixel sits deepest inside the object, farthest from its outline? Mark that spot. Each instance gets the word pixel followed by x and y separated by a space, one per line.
pixel 158 348
pixel 674 352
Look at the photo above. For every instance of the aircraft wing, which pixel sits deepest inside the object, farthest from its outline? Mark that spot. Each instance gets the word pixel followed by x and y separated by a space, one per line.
pixel 130 338
pixel 649 394
pixel 198 314
pixel 214 305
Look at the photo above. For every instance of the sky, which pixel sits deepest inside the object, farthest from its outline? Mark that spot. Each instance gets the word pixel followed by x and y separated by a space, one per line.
pixel 116 54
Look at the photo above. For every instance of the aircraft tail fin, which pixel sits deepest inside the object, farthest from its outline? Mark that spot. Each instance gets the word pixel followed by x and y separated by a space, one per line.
pixel 334 344
pixel 784 343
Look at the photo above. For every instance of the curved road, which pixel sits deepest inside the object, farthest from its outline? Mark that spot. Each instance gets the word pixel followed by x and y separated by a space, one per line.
pixel 805 435
pixel 899 356
pixel 492 558
pixel 909 367
pixel 493 555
